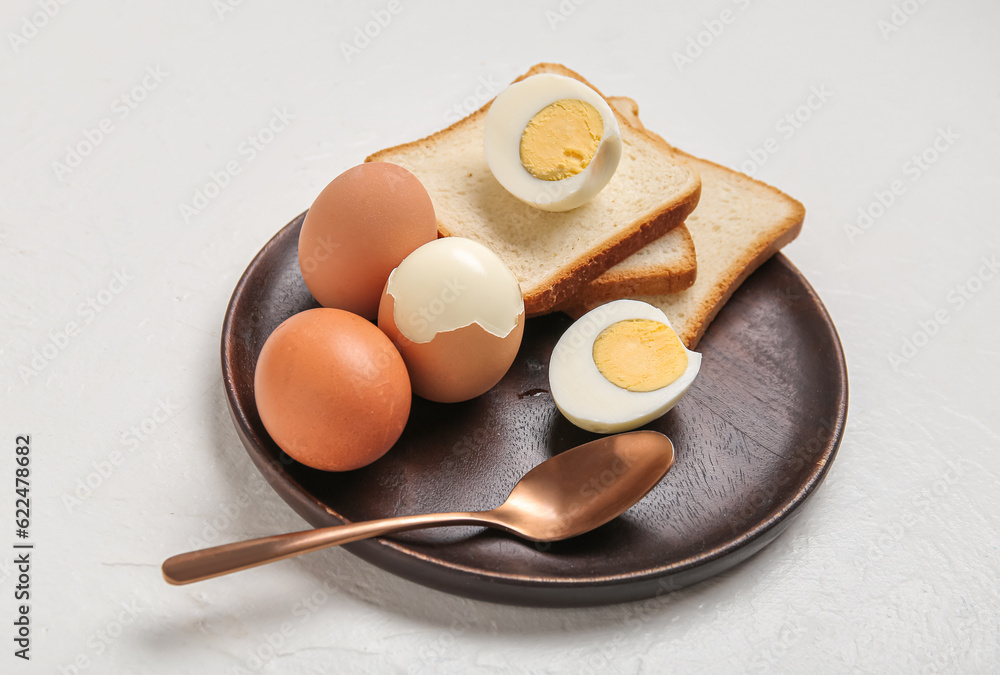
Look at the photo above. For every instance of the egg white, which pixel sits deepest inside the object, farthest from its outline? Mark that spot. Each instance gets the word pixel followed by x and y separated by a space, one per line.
pixel 587 398
pixel 506 120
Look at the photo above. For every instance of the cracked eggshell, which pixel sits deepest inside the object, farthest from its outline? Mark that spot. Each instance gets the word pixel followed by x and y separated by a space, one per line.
pixel 455 365
pixel 455 313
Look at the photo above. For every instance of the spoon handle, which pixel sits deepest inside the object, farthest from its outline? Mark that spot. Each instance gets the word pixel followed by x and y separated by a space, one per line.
pixel 194 566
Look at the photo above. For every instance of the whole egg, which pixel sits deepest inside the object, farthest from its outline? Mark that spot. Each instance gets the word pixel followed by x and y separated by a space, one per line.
pixel 331 389
pixel 359 228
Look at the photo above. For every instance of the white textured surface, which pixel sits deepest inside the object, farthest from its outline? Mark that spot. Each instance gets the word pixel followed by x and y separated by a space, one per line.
pixel 891 568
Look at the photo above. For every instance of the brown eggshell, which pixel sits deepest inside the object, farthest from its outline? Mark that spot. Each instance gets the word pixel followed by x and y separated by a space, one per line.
pixel 455 365
pixel 358 230
pixel 331 389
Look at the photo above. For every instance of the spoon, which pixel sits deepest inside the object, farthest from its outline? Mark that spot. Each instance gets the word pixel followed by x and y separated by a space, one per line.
pixel 564 496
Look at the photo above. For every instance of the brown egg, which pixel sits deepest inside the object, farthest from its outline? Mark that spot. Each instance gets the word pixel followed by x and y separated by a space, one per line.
pixel 455 312
pixel 359 228
pixel 331 389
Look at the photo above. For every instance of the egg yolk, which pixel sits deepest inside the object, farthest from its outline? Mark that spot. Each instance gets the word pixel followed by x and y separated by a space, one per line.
pixel 561 139
pixel 640 354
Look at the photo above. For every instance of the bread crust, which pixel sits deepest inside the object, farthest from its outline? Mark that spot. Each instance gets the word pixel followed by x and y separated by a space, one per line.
pixel 783 232
pixel 565 281
pixel 652 282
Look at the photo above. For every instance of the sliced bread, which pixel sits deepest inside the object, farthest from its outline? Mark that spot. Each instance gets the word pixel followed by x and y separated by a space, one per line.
pixel 739 223
pixel 552 254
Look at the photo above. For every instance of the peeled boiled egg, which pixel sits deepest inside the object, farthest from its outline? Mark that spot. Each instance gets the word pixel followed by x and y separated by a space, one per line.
pixel 620 366
pixel 359 228
pixel 331 389
pixel 552 141
pixel 455 312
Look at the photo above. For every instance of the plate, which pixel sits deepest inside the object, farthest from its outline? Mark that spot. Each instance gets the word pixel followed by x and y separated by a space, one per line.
pixel 754 436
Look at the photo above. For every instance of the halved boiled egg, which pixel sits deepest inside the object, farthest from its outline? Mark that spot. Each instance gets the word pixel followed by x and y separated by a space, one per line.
pixel 455 313
pixel 552 141
pixel 620 366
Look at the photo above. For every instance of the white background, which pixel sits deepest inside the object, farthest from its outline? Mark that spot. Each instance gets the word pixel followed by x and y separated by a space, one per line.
pixel 891 568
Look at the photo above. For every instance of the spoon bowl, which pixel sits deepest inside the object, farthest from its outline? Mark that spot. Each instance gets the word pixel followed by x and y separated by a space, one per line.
pixel 585 487
pixel 564 496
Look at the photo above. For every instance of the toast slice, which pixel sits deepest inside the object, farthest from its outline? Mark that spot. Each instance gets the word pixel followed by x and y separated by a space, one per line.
pixel 740 222
pixel 552 254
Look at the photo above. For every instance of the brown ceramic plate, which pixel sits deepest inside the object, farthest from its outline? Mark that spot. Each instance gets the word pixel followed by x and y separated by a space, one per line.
pixel 755 436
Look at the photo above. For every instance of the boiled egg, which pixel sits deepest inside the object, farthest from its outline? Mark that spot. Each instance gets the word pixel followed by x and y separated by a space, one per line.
pixel 552 141
pixel 455 312
pixel 620 366
pixel 358 229
pixel 331 389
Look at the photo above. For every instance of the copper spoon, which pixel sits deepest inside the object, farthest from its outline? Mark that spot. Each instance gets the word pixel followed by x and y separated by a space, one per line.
pixel 566 495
